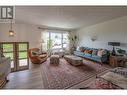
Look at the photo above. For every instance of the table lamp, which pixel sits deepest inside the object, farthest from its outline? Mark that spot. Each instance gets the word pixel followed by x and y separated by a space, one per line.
pixel 114 44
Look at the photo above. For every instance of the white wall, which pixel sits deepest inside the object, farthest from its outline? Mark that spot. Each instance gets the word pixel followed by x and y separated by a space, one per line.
pixel 113 30
pixel 23 33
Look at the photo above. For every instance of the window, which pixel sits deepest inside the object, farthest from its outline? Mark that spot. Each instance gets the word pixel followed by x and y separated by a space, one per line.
pixel 65 40
pixel 55 40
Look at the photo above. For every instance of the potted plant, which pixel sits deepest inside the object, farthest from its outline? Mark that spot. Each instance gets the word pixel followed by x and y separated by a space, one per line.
pixel 73 40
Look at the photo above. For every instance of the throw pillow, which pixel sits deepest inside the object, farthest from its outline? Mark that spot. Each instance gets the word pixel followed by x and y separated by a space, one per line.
pixel 94 52
pixel 78 48
pixel 88 51
pixel 100 52
pixel 82 49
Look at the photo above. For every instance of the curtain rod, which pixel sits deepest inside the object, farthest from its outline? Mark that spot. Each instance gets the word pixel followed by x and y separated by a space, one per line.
pixel 53 29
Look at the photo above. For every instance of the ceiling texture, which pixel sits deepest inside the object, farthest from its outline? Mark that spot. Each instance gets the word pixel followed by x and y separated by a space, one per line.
pixel 68 17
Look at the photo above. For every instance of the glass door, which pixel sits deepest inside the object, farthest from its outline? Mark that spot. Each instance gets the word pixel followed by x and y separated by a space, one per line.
pixel 8 50
pixel 22 56
pixel 18 52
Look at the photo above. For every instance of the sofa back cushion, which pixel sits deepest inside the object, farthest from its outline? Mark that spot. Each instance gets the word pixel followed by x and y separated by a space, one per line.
pixel 94 52
pixel 89 51
pixel 82 49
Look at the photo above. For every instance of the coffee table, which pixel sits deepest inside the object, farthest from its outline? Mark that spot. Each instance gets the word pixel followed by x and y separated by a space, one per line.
pixel 73 60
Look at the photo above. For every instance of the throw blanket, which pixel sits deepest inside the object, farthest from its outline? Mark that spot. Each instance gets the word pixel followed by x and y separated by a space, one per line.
pixel 116 79
pixel 100 83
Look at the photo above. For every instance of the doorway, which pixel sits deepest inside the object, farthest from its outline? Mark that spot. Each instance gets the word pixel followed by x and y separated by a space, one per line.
pixel 18 52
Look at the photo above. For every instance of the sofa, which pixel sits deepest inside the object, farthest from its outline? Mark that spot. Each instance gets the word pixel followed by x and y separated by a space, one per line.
pixel 99 55
pixel 5 69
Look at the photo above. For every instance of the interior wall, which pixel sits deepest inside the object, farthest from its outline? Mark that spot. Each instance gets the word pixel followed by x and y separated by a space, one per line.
pixel 23 33
pixel 113 30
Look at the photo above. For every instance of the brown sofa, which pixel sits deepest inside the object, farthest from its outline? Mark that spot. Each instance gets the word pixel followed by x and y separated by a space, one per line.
pixel 37 57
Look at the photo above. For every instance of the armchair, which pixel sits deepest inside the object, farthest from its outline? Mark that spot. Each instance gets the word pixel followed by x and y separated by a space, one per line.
pixel 37 57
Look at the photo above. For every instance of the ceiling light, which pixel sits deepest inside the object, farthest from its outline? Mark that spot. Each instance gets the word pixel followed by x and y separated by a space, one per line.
pixel 11 32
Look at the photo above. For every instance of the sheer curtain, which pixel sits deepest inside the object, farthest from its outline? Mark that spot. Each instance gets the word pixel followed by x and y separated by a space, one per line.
pixel 45 38
pixel 55 40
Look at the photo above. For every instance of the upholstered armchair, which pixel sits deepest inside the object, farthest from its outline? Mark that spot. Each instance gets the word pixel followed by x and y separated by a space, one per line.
pixel 37 57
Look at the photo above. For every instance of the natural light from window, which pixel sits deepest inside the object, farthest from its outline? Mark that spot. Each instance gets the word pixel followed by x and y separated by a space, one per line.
pixel 55 39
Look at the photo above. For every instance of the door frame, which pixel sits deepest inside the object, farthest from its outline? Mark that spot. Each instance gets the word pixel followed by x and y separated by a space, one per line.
pixel 19 68
pixel 1 44
pixel 16 57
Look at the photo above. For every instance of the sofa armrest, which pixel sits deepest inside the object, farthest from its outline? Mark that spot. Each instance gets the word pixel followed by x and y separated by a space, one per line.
pixel 105 58
pixel 5 67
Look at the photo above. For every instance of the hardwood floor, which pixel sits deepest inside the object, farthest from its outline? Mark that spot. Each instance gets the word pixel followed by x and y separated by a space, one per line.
pixel 27 79
pixel 32 79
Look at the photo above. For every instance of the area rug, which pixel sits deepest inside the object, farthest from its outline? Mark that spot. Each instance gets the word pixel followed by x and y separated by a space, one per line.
pixel 64 75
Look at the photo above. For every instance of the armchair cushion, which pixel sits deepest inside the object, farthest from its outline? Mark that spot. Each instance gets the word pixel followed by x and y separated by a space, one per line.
pixel 34 53
pixel 43 55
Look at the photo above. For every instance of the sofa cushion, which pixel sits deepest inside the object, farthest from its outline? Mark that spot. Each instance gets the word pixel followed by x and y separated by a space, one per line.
pixel 79 53
pixel 89 51
pixel 88 55
pixel 82 49
pixel 94 52
pixel 101 52
pixel 95 56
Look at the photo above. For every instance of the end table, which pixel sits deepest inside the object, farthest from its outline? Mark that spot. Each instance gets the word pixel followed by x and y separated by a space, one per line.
pixel 116 61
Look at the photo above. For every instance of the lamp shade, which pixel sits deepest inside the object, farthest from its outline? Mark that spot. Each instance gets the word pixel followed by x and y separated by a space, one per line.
pixel 114 43
pixel 11 33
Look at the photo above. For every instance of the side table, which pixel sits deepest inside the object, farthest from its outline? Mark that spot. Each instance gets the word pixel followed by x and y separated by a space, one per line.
pixel 116 61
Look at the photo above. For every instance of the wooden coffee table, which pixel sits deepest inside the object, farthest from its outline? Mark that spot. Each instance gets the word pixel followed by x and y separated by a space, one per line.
pixel 73 60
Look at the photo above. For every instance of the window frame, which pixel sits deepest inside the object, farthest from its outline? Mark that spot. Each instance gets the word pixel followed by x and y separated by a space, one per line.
pixel 49 38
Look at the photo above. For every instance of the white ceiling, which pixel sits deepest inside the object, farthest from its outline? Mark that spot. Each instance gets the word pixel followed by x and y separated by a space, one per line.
pixel 67 17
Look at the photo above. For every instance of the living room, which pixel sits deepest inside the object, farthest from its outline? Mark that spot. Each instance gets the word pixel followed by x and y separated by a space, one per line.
pixel 64 47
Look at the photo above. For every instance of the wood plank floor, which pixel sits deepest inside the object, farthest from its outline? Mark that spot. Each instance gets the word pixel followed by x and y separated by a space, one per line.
pixel 32 79
pixel 27 79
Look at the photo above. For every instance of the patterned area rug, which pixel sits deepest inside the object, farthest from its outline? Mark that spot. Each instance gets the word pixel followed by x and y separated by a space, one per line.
pixel 64 75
